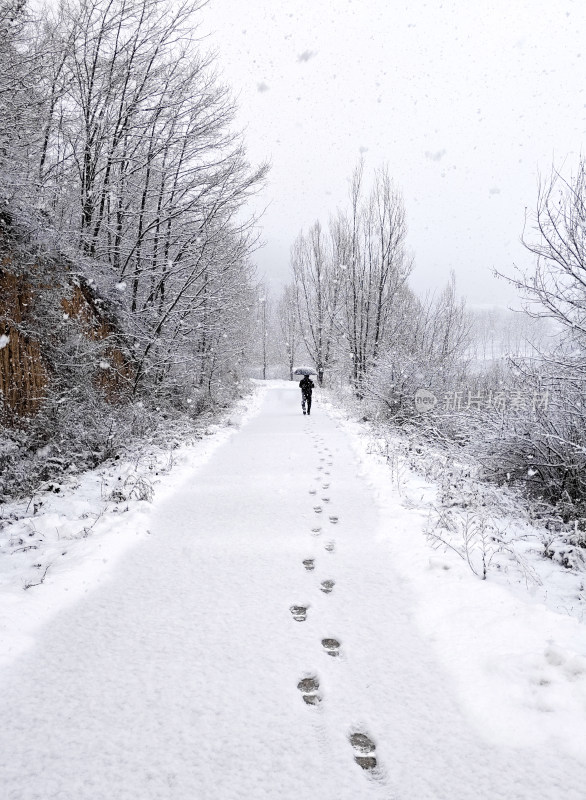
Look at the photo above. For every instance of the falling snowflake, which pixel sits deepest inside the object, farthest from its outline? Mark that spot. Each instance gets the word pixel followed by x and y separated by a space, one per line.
pixel 437 156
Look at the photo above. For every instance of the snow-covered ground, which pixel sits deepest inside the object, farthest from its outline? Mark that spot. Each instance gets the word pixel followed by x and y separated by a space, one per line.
pixel 274 614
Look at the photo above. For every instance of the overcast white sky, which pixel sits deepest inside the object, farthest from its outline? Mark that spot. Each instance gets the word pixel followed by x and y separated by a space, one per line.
pixel 466 101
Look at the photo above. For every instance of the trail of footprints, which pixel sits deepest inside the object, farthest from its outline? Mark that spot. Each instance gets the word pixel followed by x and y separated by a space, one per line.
pixel 363 747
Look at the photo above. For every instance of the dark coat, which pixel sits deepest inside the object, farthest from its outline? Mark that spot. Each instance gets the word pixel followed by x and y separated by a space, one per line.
pixel 306 386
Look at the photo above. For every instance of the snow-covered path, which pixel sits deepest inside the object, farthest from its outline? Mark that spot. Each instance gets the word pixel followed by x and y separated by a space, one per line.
pixel 177 678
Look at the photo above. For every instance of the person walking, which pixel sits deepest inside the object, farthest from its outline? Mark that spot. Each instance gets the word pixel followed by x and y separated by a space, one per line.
pixel 306 386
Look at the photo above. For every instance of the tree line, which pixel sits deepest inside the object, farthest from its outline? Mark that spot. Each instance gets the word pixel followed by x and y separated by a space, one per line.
pixel 126 273
pixel 510 386
pixel 119 146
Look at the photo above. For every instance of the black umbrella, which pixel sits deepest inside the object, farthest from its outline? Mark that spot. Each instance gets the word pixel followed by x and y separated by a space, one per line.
pixel 304 371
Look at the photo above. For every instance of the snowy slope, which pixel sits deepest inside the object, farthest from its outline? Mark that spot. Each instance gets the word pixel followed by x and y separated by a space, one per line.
pixel 176 674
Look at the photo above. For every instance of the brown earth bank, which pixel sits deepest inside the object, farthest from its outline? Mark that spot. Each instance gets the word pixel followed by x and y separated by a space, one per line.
pixel 42 301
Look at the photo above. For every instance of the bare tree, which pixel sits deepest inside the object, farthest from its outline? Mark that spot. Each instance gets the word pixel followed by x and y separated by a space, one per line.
pixel 139 130
pixel 552 439
pixel 289 326
pixel 558 283
pixel 318 294
pixel 369 247
pixel 428 351
pixel 21 107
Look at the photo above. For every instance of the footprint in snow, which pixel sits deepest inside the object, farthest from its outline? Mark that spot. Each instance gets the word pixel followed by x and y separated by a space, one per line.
pixel 334 520
pixel 318 509
pixel 309 688
pixel 326 499
pixel 319 469
pixel 364 748
pixel 330 547
pixel 309 564
pixel 325 486
pixel 316 531
pixel 312 491
pixel 299 613
pixel 331 646
pixel 327 586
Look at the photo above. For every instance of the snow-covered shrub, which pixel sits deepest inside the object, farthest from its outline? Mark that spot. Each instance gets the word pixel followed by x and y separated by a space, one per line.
pixel 134 487
pixel 426 351
pixel 473 535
